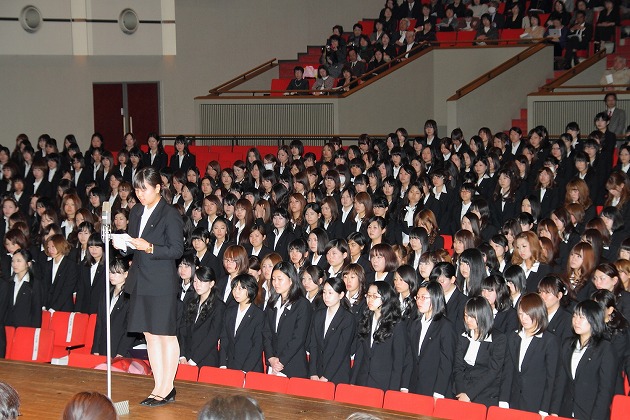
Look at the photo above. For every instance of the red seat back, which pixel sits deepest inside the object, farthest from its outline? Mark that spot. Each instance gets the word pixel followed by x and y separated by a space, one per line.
pixel 45 320
pixel 10 332
pixel 69 328
pixel 514 34
pixel 228 377
pixel 89 336
pixel 620 407
pixel 187 373
pixel 279 84
pixel 24 342
pixel 444 37
pixel 87 361
pixel 453 409
pixel 360 395
pixel 498 413
pixel 408 403
pixel 263 382
pixel 368 26
pixel 312 389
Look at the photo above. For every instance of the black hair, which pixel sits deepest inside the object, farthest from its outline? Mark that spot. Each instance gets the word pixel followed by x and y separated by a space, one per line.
pixel 295 292
pixel 390 314
pixel 595 316
pixel 438 303
pixel 478 308
pixel 247 281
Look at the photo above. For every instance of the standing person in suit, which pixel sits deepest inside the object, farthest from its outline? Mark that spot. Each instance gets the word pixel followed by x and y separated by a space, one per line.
pixel 156 156
pixel 554 291
pixel 122 341
pixel 241 337
pixel 532 358
pixel 182 159
pixel 432 344
pixel 200 331
pixel 588 367
pixel 23 295
pixel 256 246
pixel 92 277
pixel 382 344
pixel 278 240
pixel 496 291
pixel 235 262
pixel 527 254
pixel 81 175
pixel 287 320
pixel 221 232
pixel 479 356
pixel 60 276
pixel 616 115
pixel 156 229
pixel 186 293
pixel 331 335
pixel 445 274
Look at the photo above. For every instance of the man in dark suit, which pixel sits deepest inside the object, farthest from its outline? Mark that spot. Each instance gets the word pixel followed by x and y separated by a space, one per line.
pixel 412 9
pixel 356 67
pixel 617 115
pixel 579 36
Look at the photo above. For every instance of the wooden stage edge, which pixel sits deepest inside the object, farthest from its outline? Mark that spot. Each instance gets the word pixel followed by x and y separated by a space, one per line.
pixel 45 389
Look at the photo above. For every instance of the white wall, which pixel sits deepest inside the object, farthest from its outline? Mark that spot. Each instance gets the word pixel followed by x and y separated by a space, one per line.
pixel 216 40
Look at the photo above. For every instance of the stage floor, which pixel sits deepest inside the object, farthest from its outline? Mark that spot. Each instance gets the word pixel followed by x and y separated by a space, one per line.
pixel 45 389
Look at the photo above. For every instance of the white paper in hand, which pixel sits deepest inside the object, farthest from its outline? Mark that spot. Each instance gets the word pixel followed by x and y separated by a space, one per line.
pixel 122 241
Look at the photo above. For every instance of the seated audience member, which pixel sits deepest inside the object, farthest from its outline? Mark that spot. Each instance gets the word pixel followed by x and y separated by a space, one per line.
pixel 557 35
pixel 89 405
pixel 9 402
pixel 607 20
pixel 535 30
pixel 299 83
pixel 618 74
pixel 347 81
pixel 334 56
pixel 324 81
pixel 357 67
pixel 426 36
pixel 478 8
pixel 378 64
pixel 578 37
pixel 231 407
pixel 449 22
pixel 486 31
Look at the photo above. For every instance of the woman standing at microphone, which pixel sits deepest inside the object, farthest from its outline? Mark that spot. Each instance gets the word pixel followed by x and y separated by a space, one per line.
pixel 156 229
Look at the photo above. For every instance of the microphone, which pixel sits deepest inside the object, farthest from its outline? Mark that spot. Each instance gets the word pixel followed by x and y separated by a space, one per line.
pixel 106 220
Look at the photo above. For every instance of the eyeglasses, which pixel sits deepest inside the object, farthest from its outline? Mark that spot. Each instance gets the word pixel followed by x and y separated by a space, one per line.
pixel 372 297
pixel 423 297
pixel 229 260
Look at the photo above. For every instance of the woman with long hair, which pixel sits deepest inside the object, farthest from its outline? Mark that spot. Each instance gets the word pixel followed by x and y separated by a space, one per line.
pixel 479 355
pixel 203 321
pixel 91 284
pixel 580 268
pixel 244 215
pixel 507 196
pixel 606 276
pixel 530 373
pixel 312 278
pixel 495 290
pixel 566 232
pixel 382 343
pixel 331 334
pixel 527 254
pixel 577 192
pixel 24 297
pixel 588 367
pixel 264 281
pixel 235 262
pixel 405 285
pixel 427 220
pixel 471 271
pixel 60 275
pixel 432 340
pixel 557 297
pixel 287 320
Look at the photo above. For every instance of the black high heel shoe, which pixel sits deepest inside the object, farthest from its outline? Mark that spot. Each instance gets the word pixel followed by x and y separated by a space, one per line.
pixel 164 400
pixel 147 400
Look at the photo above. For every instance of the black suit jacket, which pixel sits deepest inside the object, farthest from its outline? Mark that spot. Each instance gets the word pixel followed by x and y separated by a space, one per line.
pixel 243 350
pixel 89 295
pixel 198 340
pixel 125 173
pixel 433 364
pixel 506 321
pixel 534 277
pixel 560 325
pixel 455 310
pixel 189 161
pixel 27 310
pixel 264 250
pixel 531 388
pixel 155 274
pixel 84 178
pixel 122 341
pixel 288 342
pixel 335 230
pixel 160 162
pixel 330 353
pixel 381 365
pixel 282 247
pixel 590 393
pixel 58 295
pixel 480 382
pixel 45 189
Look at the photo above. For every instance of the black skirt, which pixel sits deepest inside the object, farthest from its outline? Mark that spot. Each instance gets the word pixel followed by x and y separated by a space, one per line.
pixel 153 314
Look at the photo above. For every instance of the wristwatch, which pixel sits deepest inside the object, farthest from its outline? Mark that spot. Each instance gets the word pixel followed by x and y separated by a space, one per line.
pixel 149 250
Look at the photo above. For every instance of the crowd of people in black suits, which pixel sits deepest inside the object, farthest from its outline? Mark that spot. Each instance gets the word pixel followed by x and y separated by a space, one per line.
pixel 340 267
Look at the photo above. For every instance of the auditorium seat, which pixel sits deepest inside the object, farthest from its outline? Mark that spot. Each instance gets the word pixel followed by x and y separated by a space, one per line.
pixel 264 382
pixel 360 395
pixel 620 407
pixel 23 346
pixel 45 319
pixel 444 38
pixel 87 361
pixel 187 373
pixel 89 336
pixel 227 377
pixel 512 34
pixel 10 332
pixel 311 389
pixel 543 18
pixel 454 410
pixel 466 36
pixel 498 413
pixel 408 403
pixel 69 328
pixel 448 243
pixel 368 26
pixel 279 84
